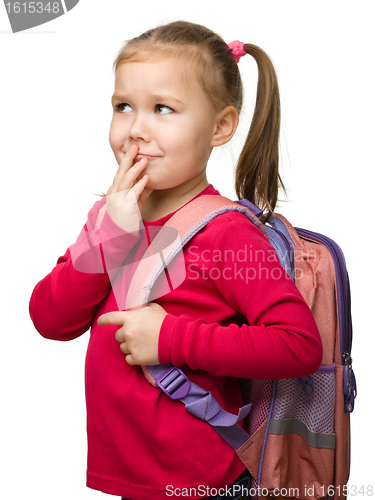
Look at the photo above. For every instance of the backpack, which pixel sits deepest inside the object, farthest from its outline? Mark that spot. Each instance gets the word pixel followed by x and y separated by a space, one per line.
pixel 295 438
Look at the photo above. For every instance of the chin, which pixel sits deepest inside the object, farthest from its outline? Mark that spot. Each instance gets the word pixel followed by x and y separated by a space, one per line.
pixel 160 182
pixel 156 186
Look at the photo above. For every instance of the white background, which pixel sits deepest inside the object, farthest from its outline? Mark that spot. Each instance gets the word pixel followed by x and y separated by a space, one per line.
pixel 55 89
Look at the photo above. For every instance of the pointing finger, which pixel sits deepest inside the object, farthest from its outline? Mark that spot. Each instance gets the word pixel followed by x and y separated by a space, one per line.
pixel 112 318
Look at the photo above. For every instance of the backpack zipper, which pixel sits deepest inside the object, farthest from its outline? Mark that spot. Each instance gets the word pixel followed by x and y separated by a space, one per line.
pixel 343 288
pixel 344 315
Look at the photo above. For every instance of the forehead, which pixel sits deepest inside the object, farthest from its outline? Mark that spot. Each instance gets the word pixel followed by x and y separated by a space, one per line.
pixel 157 76
pixel 158 71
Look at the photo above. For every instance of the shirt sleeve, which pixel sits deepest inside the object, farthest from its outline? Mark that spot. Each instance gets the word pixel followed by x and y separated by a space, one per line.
pixel 63 304
pixel 278 337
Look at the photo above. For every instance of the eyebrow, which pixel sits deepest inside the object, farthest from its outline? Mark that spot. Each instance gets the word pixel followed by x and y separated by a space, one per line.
pixel 156 97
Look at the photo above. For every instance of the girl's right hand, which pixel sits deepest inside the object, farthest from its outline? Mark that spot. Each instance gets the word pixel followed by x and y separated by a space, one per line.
pixel 126 196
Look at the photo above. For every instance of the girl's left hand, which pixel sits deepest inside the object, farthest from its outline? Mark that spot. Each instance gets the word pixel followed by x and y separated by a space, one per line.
pixel 139 334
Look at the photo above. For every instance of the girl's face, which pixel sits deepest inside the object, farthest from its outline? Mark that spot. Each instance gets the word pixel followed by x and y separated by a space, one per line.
pixel 170 120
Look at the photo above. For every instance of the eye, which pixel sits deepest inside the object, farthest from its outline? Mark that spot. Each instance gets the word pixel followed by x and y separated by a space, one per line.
pixel 124 107
pixel 161 109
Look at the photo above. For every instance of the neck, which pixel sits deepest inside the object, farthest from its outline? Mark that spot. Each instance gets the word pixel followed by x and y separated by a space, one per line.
pixel 163 202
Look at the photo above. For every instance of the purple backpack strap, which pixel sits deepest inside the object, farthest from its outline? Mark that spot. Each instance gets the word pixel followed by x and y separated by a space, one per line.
pixel 201 403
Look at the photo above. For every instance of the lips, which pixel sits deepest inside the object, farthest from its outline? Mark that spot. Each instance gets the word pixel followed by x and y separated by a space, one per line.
pixel 143 155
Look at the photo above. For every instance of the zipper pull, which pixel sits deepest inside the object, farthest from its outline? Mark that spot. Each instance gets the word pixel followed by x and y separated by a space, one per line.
pixel 350 385
pixel 307 385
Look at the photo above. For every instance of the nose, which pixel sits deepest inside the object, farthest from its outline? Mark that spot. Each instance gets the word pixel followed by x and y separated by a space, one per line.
pixel 139 129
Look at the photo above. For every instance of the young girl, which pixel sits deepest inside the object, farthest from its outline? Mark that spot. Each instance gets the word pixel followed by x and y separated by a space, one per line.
pixel 178 94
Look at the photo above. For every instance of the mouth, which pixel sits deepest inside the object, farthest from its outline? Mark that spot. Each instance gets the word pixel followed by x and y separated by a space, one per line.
pixel 142 155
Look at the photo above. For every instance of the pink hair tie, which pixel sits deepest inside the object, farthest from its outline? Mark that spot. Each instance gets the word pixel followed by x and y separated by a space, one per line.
pixel 237 49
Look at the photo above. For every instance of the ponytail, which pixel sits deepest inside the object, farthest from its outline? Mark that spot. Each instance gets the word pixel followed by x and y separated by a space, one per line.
pixel 257 175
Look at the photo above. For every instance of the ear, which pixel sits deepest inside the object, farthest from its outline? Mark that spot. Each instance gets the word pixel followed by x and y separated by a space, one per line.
pixel 226 125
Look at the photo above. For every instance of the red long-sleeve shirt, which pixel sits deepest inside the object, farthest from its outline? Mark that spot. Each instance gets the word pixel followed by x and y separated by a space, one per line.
pixel 236 314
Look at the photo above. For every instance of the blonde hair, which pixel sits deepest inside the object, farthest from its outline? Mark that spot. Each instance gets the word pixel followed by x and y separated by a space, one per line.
pixel 197 48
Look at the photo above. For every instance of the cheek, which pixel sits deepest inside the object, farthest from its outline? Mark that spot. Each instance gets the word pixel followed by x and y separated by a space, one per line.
pixel 180 139
pixel 111 134
pixel 115 137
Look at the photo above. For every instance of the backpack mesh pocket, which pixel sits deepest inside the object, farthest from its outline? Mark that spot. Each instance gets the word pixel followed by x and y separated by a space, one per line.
pixel 315 410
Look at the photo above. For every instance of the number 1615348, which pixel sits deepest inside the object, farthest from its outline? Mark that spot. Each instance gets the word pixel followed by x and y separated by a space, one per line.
pixel 33 7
